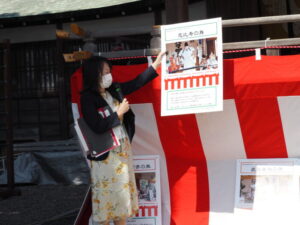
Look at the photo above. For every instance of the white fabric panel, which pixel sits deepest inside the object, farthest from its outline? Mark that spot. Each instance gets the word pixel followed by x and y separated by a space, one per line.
pixel 75 111
pixel 81 139
pixel 221 134
pixel 82 143
pixel 147 142
pixel 290 117
pixel 222 178
pixel 223 143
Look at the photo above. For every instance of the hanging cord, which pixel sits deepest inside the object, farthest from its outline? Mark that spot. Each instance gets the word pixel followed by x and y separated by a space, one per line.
pixel 253 49
pixel 130 57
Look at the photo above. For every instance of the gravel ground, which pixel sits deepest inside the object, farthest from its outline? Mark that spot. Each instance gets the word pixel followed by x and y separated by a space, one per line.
pixel 43 205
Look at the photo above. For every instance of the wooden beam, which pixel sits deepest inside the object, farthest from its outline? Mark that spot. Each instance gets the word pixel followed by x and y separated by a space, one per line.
pixel 261 44
pixel 225 23
pixel 78 30
pixel 226 46
pixel 131 53
pixel 261 20
pixel 62 34
pixel 77 56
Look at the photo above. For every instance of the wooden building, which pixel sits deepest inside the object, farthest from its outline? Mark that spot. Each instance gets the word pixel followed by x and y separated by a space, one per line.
pixel 40 78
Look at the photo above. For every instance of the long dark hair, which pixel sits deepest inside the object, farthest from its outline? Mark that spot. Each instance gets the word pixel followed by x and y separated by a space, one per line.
pixel 92 71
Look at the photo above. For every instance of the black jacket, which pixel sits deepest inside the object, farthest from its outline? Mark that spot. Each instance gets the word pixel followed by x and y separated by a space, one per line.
pixel 91 101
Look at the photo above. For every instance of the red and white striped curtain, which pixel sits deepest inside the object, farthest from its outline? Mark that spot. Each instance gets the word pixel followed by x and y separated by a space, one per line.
pixel 261 119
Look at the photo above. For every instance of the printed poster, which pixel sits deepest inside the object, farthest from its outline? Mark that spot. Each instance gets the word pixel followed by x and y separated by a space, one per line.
pixel 192 70
pixel 147 175
pixel 267 183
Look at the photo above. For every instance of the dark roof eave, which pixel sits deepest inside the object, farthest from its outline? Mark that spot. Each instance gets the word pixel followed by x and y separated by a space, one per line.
pixel 82 15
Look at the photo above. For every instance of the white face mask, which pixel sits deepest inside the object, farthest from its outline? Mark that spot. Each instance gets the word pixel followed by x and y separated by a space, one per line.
pixel 106 80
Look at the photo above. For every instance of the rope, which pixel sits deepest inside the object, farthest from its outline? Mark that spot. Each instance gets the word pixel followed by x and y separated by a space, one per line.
pixel 130 57
pixel 268 47
pixel 242 50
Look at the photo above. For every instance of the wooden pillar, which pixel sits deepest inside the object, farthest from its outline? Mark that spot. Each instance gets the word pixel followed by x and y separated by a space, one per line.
pixel 177 11
pixel 155 40
pixel 7 81
pixel 290 25
pixel 62 90
pixel 157 17
pixel 8 110
pixel 235 9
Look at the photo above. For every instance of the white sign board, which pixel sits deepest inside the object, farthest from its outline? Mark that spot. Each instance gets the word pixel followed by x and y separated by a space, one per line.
pixel 147 175
pixel 267 191
pixel 192 70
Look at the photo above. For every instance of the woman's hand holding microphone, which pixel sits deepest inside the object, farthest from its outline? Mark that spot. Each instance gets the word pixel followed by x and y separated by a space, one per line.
pixel 123 108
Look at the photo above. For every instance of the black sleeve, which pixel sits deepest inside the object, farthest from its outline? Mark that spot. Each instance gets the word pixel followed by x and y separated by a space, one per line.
pixel 142 79
pixel 91 116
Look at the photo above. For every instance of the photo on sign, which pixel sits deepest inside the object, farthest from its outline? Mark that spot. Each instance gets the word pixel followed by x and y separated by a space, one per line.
pixel 146 185
pixel 193 55
pixel 247 188
pixel 263 188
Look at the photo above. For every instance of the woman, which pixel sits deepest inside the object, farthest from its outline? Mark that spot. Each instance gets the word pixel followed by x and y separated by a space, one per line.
pixel 114 193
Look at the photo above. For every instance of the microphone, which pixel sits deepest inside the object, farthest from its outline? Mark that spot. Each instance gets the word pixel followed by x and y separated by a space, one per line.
pixel 119 91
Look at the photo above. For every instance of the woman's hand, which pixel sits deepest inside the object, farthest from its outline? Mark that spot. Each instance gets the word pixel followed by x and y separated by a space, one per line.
pixel 123 108
pixel 157 61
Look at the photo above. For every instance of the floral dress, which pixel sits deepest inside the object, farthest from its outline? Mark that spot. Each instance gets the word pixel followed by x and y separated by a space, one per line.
pixel 114 193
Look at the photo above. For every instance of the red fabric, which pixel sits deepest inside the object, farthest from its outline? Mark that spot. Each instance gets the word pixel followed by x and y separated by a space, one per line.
pixel 243 78
pixel 187 170
pixel 255 86
pixel 228 82
pixel 76 87
pixel 261 128
pixel 270 77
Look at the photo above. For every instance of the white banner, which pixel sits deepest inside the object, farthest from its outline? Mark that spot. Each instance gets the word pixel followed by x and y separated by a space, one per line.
pixel 192 71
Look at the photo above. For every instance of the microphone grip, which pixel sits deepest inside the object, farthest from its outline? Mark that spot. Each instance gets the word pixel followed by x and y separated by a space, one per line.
pixel 119 92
